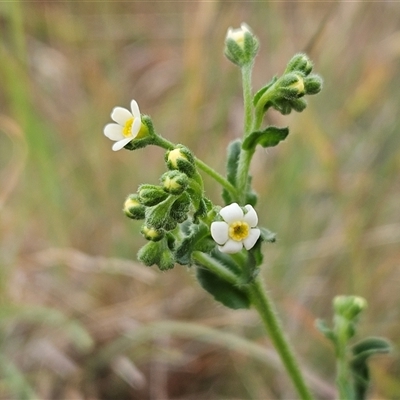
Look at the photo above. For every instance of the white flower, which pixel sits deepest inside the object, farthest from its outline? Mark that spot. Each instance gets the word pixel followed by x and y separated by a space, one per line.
pixel 238 34
pixel 237 229
pixel 127 125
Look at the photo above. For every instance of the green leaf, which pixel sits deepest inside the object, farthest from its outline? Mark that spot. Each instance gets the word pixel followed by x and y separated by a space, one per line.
pixel 198 238
pixel 232 163
pixel 269 137
pixel 369 346
pixel 325 330
pixel 226 293
pixel 359 367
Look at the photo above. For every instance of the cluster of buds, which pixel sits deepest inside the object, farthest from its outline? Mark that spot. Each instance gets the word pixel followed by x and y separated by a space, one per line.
pixel 163 207
pixel 287 92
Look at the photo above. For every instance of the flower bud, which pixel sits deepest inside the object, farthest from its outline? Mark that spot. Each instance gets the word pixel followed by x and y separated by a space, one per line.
pixel 167 260
pixel 299 62
pixel 291 86
pixel 174 182
pixel 313 84
pixel 149 254
pixel 349 307
pixel 181 159
pixel 150 195
pixel 241 45
pixel 132 207
pixel 151 233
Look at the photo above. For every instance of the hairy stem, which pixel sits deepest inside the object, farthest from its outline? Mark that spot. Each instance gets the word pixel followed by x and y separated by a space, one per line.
pixel 266 310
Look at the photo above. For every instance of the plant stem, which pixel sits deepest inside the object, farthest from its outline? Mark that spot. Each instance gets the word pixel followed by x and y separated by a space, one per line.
pixel 217 177
pixel 342 368
pixel 245 155
pixel 247 98
pixel 266 310
pixel 213 265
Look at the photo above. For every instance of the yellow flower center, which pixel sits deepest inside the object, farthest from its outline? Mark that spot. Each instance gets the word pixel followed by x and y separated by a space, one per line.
pixel 238 230
pixel 127 129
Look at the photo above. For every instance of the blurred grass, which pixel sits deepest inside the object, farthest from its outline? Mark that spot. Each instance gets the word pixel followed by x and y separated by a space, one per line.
pixel 331 192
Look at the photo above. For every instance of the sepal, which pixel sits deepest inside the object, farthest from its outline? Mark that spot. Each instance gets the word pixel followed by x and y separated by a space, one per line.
pixel 174 182
pixel 146 136
pixel 151 195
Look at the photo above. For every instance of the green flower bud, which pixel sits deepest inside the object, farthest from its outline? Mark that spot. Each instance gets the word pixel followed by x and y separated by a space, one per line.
pixel 299 62
pixel 174 182
pixel 150 195
pixel 298 104
pixel 149 254
pixel 349 307
pixel 241 45
pixel 181 159
pixel 313 84
pixel 151 233
pixel 132 207
pixel 167 260
pixel 157 253
pixel 291 86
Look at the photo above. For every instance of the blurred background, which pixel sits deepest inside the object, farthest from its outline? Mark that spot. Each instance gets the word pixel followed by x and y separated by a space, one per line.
pixel 79 317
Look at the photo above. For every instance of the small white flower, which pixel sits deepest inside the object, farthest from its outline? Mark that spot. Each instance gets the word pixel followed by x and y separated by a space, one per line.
pixel 127 125
pixel 237 229
pixel 238 34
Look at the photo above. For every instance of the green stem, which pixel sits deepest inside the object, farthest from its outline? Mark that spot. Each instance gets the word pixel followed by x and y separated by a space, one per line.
pixel 245 155
pixel 217 177
pixel 213 265
pixel 267 312
pixel 342 368
pixel 247 98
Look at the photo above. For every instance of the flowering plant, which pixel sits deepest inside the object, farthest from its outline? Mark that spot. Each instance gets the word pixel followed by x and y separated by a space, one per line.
pixel 223 242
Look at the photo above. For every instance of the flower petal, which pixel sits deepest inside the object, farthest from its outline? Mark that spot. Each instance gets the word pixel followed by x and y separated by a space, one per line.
pixel 135 109
pixel 120 115
pixel 231 213
pixel 120 144
pixel 251 216
pixel 231 246
pixel 137 123
pixel 219 231
pixel 251 240
pixel 113 131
